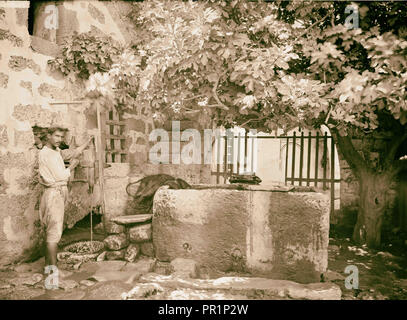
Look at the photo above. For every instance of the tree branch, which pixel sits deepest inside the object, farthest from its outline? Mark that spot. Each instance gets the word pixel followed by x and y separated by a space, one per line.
pixel 258 119
pixel 352 156
pixel 312 25
pixel 215 95
pixel 194 97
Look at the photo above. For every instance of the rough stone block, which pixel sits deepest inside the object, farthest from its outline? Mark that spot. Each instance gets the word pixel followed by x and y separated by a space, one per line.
pixel 50 91
pixel 3 80
pixel 140 233
pixel 7 35
pixel 281 235
pixel 147 249
pixel 27 85
pixel 113 228
pixel 132 252
pixel 116 242
pixel 18 63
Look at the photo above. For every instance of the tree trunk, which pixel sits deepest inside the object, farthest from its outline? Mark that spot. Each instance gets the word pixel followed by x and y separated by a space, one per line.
pixel 373 187
pixel 372 205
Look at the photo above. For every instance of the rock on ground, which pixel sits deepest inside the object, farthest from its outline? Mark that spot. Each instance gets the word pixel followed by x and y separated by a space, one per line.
pixel 26 279
pixel 109 290
pixel 132 252
pixel 143 291
pixel 87 283
pixel 67 284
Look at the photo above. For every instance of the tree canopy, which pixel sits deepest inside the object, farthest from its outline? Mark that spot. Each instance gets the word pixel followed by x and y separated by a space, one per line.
pixel 264 65
pixel 267 65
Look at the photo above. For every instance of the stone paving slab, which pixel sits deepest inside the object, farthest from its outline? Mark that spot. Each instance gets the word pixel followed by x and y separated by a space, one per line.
pixel 245 285
pixel 131 219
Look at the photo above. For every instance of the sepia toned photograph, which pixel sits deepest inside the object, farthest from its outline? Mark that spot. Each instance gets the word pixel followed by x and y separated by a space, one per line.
pixel 220 151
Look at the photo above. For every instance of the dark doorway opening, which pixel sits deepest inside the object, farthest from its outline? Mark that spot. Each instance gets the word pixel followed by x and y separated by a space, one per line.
pixel 81 231
pixel 31 15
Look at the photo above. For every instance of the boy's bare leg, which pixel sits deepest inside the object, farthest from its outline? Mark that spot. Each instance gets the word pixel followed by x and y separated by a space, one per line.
pixel 51 254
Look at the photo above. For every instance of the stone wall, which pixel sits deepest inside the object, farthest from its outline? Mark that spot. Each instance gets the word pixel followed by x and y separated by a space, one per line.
pixel 32 95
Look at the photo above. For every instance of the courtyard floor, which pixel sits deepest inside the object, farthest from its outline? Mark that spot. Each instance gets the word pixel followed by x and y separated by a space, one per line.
pixel 382 276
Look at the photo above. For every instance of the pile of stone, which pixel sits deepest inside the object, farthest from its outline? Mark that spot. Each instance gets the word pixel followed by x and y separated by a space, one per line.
pixel 128 237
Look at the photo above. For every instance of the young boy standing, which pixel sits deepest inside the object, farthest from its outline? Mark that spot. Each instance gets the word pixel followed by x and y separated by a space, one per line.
pixel 54 177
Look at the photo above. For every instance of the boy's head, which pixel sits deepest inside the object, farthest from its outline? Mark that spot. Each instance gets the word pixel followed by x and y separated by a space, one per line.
pixel 55 136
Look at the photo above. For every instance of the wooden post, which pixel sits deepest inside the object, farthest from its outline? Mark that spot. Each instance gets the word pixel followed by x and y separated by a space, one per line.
pixel 293 159
pixel 325 159
pixel 225 173
pixel 301 156
pixel 332 175
pixel 316 159
pixel 218 143
pixel 245 153
pixel 100 156
pixel 238 153
pixel 309 159
pixel 286 159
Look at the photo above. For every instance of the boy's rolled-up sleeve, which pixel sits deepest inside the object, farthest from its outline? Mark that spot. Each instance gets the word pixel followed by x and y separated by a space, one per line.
pixel 69 154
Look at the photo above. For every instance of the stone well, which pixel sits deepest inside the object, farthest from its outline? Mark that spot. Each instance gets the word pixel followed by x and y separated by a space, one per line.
pixel 274 232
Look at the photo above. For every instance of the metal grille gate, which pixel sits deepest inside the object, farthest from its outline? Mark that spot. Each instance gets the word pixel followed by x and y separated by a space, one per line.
pixel 316 154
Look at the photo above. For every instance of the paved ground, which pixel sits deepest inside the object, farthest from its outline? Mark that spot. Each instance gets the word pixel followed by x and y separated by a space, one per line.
pixel 382 276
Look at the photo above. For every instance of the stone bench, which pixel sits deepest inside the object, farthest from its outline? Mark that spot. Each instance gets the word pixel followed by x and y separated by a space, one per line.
pixel 128 237
pixel 132 219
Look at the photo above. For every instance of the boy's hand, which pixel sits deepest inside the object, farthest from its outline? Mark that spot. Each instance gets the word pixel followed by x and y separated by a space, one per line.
pixel 84 146
pixel 90 140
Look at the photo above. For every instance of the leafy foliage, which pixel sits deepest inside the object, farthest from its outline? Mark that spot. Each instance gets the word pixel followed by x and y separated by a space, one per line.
pixel 85 54
pixel 255 64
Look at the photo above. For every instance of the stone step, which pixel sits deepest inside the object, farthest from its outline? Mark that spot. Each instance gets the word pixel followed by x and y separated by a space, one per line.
pixel 131 219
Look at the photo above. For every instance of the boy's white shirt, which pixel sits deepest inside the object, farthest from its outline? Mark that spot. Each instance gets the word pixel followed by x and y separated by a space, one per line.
pixel 51 167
